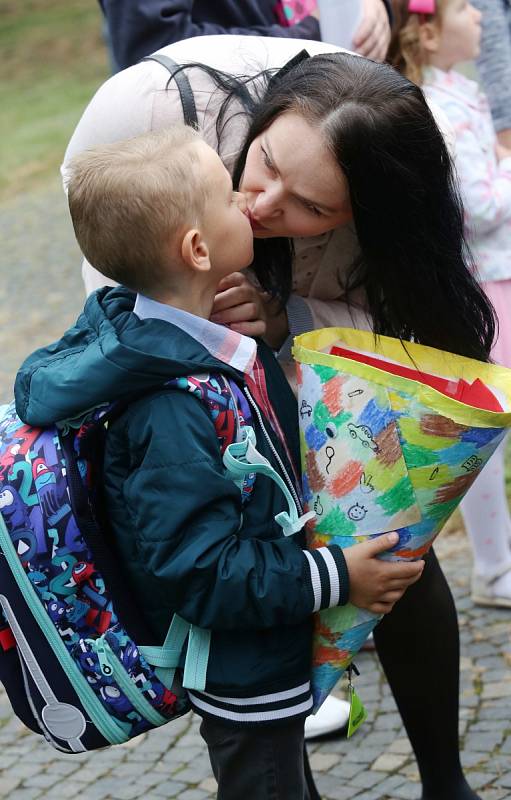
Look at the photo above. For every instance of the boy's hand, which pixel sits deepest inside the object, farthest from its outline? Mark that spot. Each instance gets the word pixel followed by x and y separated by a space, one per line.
pixel 239 304
pixel 375 584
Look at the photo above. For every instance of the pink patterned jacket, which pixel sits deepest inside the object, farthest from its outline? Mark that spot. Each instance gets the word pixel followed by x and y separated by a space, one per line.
pixel 485 181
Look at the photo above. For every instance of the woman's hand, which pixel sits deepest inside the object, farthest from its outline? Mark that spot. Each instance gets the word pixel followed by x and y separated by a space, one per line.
pixel 375 584
pixel 240 305
pixel 372 38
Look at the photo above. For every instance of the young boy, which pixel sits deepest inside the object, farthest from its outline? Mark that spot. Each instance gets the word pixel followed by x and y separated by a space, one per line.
pixel 158 214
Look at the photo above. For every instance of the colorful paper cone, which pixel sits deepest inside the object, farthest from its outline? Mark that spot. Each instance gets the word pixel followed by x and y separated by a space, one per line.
pixel 383 451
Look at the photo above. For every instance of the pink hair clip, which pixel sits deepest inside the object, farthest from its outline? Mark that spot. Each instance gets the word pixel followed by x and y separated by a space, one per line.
pixel 421 7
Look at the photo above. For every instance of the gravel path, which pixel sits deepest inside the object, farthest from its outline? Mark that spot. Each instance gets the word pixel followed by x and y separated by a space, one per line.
pixel 41 291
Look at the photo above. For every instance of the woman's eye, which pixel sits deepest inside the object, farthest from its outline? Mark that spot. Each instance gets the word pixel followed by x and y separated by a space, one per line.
pixel 266 160
pixel 313 210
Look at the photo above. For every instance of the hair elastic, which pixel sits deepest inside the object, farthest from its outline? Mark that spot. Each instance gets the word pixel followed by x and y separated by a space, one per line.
pixel 422 7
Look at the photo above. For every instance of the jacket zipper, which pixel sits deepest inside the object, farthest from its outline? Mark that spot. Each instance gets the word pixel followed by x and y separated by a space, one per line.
pixel 274 451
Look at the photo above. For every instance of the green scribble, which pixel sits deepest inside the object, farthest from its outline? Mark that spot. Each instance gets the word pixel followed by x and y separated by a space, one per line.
pixel 325 373
pixel 398 498
pixel 321 415
pixel 335 523
pixel 442 511
pixel 417 456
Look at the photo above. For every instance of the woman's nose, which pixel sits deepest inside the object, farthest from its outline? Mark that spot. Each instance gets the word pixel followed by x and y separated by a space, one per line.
pixel 267 204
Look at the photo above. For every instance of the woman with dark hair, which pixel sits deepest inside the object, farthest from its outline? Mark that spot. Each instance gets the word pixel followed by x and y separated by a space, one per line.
pixel 356 221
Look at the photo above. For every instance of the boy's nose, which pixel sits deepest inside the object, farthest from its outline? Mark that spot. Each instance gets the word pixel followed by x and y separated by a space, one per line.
pixel 476 13
pixel 241 200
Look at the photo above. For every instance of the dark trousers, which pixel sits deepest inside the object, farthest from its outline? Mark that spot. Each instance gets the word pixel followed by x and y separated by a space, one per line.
pixel 264 763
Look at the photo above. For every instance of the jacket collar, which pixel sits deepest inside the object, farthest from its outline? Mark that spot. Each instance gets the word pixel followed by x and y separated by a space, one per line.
pixel 221 342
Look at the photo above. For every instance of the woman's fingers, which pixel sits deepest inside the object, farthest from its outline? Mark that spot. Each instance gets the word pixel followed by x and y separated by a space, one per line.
pixel 234 279
pixel 255 328
pixel 242 312
pixel 232 297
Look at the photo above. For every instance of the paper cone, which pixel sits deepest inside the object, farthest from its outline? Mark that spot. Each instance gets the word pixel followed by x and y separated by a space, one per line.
pixel 382 452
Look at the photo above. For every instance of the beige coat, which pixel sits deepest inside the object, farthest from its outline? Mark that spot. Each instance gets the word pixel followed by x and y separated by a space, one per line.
pixel 136 101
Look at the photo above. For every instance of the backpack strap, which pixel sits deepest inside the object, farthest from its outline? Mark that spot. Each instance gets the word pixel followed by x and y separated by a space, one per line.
pixel 166 658
pixel 242 458
pixel 183 84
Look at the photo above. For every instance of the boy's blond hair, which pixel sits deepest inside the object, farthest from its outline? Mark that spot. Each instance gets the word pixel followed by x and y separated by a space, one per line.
pixel 405 52
pixel 128 201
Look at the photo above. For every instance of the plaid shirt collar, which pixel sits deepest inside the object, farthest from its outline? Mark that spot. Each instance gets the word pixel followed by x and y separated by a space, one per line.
pixel 224 344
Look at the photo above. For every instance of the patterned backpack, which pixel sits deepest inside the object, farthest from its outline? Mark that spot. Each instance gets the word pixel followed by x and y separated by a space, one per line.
pixel 72 654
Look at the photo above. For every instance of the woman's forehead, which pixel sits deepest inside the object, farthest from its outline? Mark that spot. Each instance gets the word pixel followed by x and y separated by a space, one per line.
pixel 304 162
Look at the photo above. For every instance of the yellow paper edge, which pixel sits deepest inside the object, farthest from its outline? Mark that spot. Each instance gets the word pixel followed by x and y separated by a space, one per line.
pixel 307 349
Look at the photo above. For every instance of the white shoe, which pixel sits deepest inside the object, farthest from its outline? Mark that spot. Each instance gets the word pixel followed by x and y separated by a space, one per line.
pixel 332 716
pixel 492 590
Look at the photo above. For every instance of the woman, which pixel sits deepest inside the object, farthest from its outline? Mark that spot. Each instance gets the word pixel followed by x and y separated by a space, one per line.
pixel 337 149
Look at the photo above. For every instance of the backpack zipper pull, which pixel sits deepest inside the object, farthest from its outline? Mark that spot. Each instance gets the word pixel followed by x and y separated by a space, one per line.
pixel 98 645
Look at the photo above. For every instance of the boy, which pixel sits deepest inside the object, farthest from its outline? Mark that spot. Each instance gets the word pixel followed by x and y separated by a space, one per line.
pixel 158 214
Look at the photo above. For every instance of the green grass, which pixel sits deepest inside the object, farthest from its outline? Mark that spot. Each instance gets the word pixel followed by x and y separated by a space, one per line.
pixel 53 60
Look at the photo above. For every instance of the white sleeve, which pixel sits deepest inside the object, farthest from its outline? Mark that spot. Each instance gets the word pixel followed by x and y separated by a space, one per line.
pixel 486 191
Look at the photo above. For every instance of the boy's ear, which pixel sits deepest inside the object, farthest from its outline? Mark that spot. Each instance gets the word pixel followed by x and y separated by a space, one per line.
pixel 194 251
pixel 429 37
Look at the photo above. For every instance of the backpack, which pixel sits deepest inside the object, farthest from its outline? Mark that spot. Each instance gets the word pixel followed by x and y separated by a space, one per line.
pixel 72 654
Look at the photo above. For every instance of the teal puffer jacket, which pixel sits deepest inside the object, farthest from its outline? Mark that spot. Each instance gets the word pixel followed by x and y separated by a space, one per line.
pixel 185 543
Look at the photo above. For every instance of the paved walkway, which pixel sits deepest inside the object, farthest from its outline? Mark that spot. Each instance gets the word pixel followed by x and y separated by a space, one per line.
pixel 40 293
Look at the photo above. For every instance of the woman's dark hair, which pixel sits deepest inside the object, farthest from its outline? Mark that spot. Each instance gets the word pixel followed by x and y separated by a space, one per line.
pixel 415 266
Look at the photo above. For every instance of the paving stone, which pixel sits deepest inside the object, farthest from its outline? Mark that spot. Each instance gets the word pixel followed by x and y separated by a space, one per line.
pixel 322 762
pixel 346 770
pixel 8 785
pixel 208 785
pixel 193 794
pixel 168 788
pixel 478 779
pixel 388 762
pixel 497 689
pixel 25 794
pixel 496 794
pixel 407 791
pixel 41 781
pixel 402 746
pixel 330 788
pixel 505 780
pixel 126 791
pixel 366 779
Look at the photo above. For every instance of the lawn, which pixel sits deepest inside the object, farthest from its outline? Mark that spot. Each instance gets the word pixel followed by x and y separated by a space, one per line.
pixel 53 59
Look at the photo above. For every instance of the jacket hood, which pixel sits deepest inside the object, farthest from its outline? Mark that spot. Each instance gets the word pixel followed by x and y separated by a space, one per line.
pixel 107 355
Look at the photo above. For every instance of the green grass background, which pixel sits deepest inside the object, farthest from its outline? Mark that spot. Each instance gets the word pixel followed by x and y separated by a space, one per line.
pixel 53 59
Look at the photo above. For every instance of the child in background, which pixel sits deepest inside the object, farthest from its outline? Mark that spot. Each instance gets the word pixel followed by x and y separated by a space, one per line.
pixel 429 39
pixel 158 214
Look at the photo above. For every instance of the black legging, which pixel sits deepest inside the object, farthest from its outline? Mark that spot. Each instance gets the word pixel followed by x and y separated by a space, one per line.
pixel 418 646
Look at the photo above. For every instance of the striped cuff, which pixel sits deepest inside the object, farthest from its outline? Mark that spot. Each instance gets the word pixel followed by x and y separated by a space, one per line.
pixel 329 577
pixel 265 708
